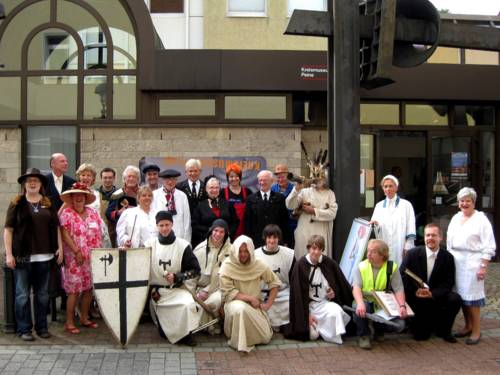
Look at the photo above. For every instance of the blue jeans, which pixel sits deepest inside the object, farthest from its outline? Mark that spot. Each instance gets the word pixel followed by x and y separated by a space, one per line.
pixel 35 275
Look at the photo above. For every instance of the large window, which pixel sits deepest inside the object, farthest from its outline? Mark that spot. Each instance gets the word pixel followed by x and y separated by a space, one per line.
pixel 424 114
pixel 80 65
pixel 255 107
pixel 247 8
pixel 43 141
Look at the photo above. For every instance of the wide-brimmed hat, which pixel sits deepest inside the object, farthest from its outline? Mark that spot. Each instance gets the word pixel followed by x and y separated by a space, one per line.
pixel 78 188
pixel 280 168
pixel 33 172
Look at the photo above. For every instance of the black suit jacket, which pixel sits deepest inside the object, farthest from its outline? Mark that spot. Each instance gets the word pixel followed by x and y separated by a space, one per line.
pixel 193 200
pixel 258 214
pixel 442 278
pixel 52 190
pixel 203 217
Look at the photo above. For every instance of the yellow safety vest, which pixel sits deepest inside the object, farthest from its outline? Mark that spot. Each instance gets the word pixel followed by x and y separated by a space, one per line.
pixel 365 268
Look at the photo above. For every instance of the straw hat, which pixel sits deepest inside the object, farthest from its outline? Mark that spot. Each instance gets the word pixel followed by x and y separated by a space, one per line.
pixel 280 168
pixel 78 188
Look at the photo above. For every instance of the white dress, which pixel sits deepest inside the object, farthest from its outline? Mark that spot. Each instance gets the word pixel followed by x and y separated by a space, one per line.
pixel 280 263
pixel 176 311
pixel 143 229
pixel 325 211
pixel 469 243
pixel 396 226
pixel 331 319
pixel 182 220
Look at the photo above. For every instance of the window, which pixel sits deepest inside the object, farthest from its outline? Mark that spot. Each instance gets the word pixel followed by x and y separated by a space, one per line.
pixel 379 114
pixel 167 6
pixel 424 114
pixel 481 57
pixel 255 107
pixel 43 141
pixel 10 94
pixel 247 8
pixel 472 115
pixel 306 4
pixel 187 107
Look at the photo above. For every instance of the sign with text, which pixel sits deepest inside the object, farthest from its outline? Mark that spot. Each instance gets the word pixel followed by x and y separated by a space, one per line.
pixel 250 165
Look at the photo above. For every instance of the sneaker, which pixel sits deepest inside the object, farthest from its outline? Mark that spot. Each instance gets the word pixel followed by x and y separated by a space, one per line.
pixel 364 342
pixel 44 335
pixel 28 336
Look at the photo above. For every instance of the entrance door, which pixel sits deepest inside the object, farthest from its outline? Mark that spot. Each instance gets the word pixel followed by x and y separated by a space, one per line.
pixel 403 154
pixel 454 166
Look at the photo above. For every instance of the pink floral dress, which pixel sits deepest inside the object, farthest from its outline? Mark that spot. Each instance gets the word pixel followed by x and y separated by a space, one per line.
pixel 86 233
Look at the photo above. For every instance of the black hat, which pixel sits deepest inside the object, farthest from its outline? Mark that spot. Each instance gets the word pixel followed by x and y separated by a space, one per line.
pixel 126 201
pixel 164 215
pixel 33 172
pixel 218 223
pixel 150 167
pixel 168 173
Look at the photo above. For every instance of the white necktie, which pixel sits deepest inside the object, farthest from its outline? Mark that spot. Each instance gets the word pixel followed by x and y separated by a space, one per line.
pixel 58 184
pixel 430 264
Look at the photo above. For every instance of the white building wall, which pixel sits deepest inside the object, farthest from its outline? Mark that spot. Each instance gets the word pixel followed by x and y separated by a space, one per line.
pixel 181 30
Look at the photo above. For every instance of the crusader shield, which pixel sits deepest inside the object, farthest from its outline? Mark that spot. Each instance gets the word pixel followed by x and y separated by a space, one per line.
pixel 121 284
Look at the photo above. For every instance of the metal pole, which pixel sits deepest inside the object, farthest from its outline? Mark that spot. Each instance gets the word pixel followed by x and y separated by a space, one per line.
pixel 343 116
pixel 9 324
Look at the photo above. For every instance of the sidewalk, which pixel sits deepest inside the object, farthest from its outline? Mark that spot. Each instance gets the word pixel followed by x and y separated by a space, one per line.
pixel 96 352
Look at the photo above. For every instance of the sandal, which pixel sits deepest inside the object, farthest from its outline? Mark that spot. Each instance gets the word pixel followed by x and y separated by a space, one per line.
pixel 71 329
pixel 89 324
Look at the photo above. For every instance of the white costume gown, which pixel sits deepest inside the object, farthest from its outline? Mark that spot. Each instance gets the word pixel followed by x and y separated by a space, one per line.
pixel 144 228
pixel 396 223
pixel 469 243
pixel 331 319
pixel 280 263
pixel 325 210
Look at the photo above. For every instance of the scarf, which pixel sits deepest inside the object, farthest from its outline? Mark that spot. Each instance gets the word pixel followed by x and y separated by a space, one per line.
pixel 168 240
pixel 235 270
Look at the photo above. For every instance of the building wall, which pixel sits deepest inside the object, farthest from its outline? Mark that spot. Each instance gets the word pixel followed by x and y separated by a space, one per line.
pixel 224 32
pixel 10 170
pixel 118 147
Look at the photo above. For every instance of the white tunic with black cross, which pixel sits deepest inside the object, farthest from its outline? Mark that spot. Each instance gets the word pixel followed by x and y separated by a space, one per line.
pixel 281 262
pixel 176 311
pixel 330 318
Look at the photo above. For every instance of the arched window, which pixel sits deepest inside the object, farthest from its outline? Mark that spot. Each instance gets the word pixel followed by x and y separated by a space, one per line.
pixel 68 61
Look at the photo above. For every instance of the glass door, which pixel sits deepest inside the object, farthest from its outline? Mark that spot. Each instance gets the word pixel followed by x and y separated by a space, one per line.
pixel 454 166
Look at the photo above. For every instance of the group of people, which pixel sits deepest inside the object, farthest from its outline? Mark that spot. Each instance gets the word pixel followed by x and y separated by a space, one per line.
pixel 256 262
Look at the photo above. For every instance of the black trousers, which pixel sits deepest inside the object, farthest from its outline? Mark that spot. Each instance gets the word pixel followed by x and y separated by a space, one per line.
pixel 434 315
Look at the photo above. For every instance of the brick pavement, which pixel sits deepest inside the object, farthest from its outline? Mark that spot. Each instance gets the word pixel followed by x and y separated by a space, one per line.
pixel 95 352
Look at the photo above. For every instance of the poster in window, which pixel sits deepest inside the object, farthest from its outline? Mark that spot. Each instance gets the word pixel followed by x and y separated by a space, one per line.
pixel 459 166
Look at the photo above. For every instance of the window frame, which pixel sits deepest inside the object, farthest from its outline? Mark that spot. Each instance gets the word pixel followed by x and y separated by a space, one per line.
pixel 253 14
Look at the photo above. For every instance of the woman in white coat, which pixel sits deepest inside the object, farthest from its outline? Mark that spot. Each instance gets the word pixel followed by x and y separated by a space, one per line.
pixel 136 225
pixel 394 219
pixel 470 239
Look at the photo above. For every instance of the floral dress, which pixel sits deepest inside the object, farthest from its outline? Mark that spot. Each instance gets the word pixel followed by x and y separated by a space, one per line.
pixel 86 233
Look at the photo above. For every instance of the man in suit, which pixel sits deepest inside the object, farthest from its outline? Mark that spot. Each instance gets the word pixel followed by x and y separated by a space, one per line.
pixel 435 304
pixel 193 187
pixel 266 207
pixel 57 181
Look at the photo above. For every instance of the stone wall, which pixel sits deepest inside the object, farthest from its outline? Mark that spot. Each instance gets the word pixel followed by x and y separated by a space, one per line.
pixel 118 147
pixel 10 169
